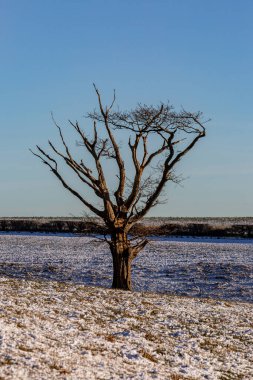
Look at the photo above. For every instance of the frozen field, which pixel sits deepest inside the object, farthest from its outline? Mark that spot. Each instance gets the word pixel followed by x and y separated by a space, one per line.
pixel 214 268
pixel 67 331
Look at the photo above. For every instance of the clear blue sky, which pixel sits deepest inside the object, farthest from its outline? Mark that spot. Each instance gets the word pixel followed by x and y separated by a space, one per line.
pixel 195 53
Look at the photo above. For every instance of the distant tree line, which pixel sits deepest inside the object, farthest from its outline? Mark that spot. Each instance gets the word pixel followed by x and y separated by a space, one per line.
pixel 88 227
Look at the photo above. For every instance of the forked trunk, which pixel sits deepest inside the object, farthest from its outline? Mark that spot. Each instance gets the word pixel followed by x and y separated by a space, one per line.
pixel 122 259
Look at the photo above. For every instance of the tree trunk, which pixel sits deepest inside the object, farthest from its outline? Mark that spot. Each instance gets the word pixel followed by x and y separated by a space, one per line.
pixel 122 259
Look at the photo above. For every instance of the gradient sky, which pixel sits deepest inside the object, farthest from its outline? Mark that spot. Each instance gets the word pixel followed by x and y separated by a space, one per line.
pixel 195 53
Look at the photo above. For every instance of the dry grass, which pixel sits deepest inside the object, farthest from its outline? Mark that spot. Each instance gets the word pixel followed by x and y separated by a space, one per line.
pixel 51 329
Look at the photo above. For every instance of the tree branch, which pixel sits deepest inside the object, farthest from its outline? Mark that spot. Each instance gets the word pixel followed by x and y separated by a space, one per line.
pixel 122 175
pixel 54 169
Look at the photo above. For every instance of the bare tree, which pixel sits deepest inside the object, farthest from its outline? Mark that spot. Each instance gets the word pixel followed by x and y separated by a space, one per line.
pixel 157 139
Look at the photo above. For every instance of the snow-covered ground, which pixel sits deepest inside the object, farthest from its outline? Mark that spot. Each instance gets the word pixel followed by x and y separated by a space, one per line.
pixel 53 330
pixel 217 268
pixel 52 327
